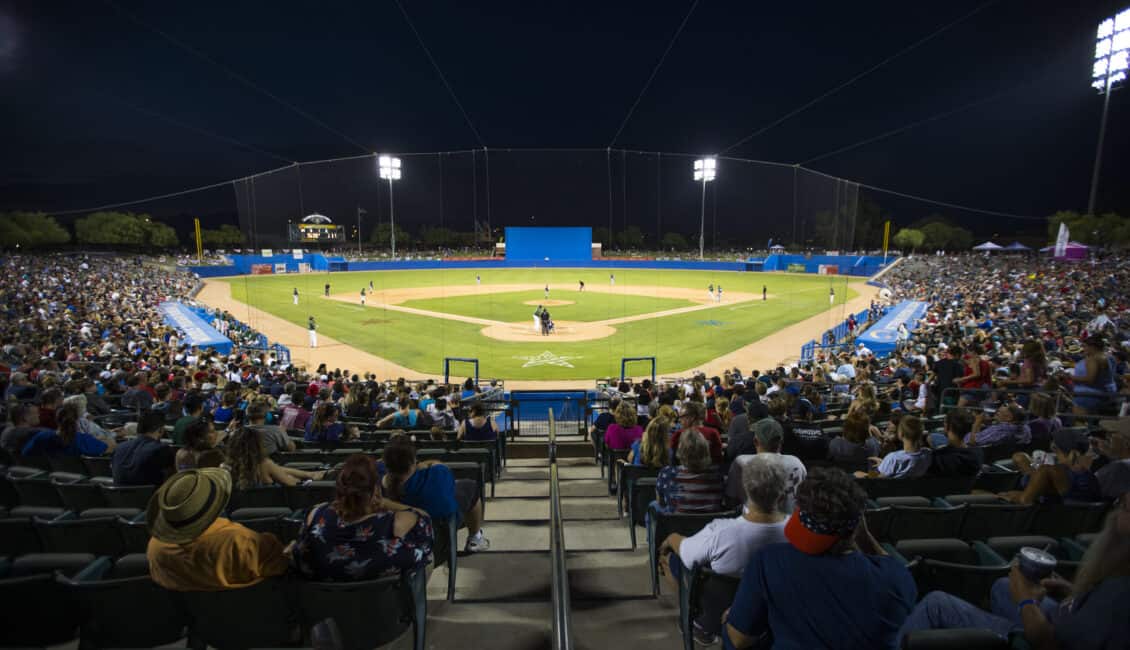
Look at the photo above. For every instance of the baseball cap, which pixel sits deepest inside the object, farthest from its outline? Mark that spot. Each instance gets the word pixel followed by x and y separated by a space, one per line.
pixel 767 430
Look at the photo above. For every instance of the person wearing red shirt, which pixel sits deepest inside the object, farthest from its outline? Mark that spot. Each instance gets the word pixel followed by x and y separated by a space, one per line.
pixel 692 418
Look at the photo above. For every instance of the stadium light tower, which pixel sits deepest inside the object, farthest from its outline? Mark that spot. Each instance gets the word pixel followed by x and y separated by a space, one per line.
pixel 1111 52
pixel 390 169
pixel 704 170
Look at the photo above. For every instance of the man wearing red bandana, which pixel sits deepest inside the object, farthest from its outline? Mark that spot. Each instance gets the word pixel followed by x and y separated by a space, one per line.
pixel 832 586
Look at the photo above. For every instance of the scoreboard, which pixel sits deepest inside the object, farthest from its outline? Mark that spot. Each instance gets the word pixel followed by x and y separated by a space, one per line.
pixel 316 233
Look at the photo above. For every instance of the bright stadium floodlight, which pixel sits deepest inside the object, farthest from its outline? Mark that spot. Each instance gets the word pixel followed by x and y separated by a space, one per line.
pixel 389 167
pixel 1112 63
pixel 705 169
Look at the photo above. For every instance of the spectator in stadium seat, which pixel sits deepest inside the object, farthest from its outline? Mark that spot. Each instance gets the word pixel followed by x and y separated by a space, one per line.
pixel 144 459
pixel 324 427
pixel 1009 427
pixel 952 457
pixel 855 444
pixel 85 423
pixel 23 426
pixel 405 417
pixel 137 396
pixel 605 418
pixel 49 402
pixel 726 545
pixel 1044 421
pixel 625 430
pixel 912 461
pixel 442 416
pixel 739 437
pixel 832 586
pixel 200 437
pixel 1114 474
pixel 691 418
pixel 478 426
pixel 250 467
pixel 1088 613
pixel 222 416
pixel 274 437
pixel 193 408
pixel 67 440
pixel 651 450
pixel 1068 477
pixel 431 486
pixel 695 484
pixel 946 372
pixel 1094 377
pixel 360 535
pixel 294 414
pixel 193 548
pixel 768 437
pixel 20 388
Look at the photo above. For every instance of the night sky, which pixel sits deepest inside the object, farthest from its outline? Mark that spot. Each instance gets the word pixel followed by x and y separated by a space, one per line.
pixel 99 108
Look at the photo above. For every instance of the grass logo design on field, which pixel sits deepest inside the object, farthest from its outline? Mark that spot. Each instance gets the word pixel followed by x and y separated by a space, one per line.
pixel 547 359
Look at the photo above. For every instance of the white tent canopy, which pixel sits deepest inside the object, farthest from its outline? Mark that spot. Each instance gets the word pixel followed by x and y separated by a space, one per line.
pixel 988 246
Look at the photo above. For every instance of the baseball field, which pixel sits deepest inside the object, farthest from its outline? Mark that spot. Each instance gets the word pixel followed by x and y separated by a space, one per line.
pixel 411 320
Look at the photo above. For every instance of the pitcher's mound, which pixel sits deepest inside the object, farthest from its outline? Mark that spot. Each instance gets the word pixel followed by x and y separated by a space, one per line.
pixel 564 332
pixel 547 303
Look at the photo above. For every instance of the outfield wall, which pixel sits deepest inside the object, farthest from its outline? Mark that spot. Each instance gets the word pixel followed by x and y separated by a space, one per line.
pixel 854 265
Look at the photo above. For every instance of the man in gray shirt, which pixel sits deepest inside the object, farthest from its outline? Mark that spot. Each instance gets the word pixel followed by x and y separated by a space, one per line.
pixel 274 438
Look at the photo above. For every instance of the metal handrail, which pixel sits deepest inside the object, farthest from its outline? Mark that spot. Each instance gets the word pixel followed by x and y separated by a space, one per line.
pixel 562 616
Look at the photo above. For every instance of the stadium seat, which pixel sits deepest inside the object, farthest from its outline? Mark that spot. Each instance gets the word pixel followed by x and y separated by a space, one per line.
pixel 954 566
pixel 263 520
pixel 470 471
pixel 97 465
pixel 121 607
pixel 68 464
pixel 985 520
pixel 70 534
pixel 34 487
pixel 79 495
pixel 127 496
pixel 270 496
pixel 135 535
pixel 18 536
pixel 260 616
pixel 660 525
pixel 878 520
pixel 642 493
pixel 627 476
pixel 37 610
pixel 694 584
pixel 609 464
pixel 919 522
pixel 368 613
pixel 930 486
pixel 1067 519
pixel 304 496
pixel 446 550
pixel 996 479
pixel 964 638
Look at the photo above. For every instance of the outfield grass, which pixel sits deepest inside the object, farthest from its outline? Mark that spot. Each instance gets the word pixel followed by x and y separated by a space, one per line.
pixel 679 342
pixel 511 307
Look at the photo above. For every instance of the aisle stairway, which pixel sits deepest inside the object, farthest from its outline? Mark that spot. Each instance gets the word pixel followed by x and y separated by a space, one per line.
pixel 503 595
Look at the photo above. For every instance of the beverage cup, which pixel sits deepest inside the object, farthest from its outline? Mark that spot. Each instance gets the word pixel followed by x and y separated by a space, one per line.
pixel 1036 564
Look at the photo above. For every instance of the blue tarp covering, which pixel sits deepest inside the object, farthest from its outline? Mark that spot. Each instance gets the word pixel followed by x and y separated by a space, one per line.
pixel 880 337
pixel 195 329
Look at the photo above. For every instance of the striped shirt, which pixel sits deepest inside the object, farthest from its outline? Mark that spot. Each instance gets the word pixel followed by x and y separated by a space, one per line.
pixel 680 489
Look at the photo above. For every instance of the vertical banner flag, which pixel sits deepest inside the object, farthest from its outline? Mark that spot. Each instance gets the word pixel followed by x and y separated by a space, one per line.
pixel 886 236
pixel 1061 240
pixel 199 242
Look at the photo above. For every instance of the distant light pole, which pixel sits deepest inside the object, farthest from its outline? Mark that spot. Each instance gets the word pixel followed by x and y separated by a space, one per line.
pixel 1112 50
pixel 360 211
pixel 704 170
pixel 390 169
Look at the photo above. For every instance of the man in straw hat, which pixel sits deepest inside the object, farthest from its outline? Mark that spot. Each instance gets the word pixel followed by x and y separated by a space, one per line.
pixel 193 548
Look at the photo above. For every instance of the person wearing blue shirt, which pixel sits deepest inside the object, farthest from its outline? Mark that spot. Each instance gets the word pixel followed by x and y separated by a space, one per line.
pixel 430 486
pixel 831 586
pixel 913 460
pixel 67 440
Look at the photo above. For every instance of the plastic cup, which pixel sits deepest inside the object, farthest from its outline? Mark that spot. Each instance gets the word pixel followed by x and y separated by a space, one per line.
pixel 1036 564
